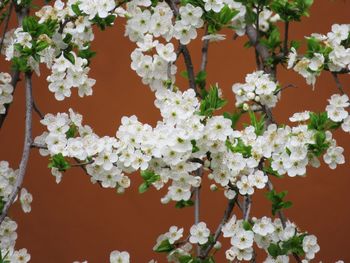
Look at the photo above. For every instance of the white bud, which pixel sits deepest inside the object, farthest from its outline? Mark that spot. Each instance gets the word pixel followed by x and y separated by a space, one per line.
pixel 120 190
pixel 206 163
pixel 213 187
pixel 245 106
pixel 217 245
pixel 211 176
pixel 251 95
pixel 165 200
pixel 257 98
pixel 197 182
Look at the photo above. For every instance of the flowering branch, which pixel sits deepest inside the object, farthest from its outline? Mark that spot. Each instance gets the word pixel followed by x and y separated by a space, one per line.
pixel 26 147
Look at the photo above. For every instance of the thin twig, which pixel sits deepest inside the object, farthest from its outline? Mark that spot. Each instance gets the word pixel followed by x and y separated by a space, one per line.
pixel 8 17
pixel 226 216
pixel 189 68
pixel 247 207
pixel 26 147
pixel 37 110
pixel 285 43
pixel 337 82
pixel 21 13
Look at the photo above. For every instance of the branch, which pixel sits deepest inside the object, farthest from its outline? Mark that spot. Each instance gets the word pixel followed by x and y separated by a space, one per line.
pixel 247 207
pixel 37 110
pixel 337 82
pixel 189 68
pixel 283 219
pixel 8 17
pixel 21 13
pixel 227 214
pixel 285 43
pixel 26 147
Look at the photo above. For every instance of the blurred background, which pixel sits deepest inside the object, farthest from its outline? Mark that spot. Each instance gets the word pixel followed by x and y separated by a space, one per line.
pixel 77 220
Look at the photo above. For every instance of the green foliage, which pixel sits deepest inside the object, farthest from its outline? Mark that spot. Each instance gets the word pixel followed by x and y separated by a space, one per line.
pixel 321 122
pixel 291 10
pixel 201 78
pixel 72 132
pixel 149 177
pixel 271 171
pixel 2 204
pixel 292 245
pixel 247 226
pixel 234 117
pixel 35 29
pixel 315 46
pixel 58 161
pixel 69 56
pixel 320 145
pixel 259 125
pixel 182 203
pixel 217 21
pixel 273 38
pixel 164 247
pixel 277 201
pixel 86 53
pixel 211 102
pixel 190 259
pixel 2 258
pixel 239 147
pixel 76 9
pixel 102 23
pixel 194 146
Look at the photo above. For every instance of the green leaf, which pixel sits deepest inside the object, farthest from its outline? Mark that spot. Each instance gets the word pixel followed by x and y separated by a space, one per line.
pixel 201 78
pixel 143 187
pixel 76 9
pixel 211 102
pixel 40 46
pixel 58 161
pixel 194 146
pixel 164 247
pixel 275 250
pixel 259 125
pixel 239 147
pixel 149 178
pixel 72 132
pixel 277 201
pixel 247 226
pixel 182 203
pixel 234 117
pixel 70 57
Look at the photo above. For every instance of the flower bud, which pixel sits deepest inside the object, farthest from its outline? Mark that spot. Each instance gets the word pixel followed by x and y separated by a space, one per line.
pixel 213 187
pixel 245 106
pixel 217 245
pixel 251 95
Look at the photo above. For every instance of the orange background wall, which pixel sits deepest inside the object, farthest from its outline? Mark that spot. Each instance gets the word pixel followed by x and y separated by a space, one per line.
pixel 77 220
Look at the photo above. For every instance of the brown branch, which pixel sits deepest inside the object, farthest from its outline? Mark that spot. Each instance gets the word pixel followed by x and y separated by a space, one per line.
pixel 286 34
pixel 21 13
pixel 337 82
pixel 226 216
pixel 26 147
pixel 7 21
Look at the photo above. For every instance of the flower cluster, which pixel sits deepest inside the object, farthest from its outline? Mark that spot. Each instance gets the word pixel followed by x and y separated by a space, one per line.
pixel 6 90
pixel 325 52
pixel 8 227
pixel 268 235
pixel 67 137
pixel 258 88
pixel 8 237
pixel 66 75
pixel 278 240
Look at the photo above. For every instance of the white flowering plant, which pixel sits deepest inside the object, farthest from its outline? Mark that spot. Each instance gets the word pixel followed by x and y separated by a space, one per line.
pixel 193 141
